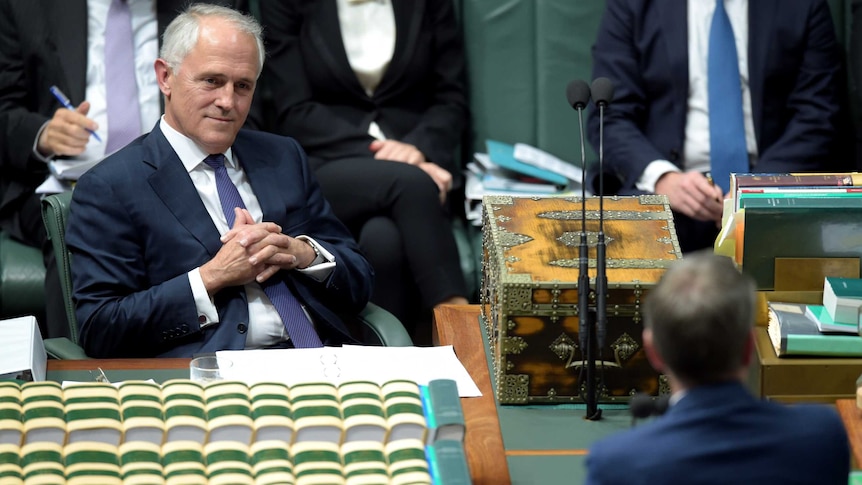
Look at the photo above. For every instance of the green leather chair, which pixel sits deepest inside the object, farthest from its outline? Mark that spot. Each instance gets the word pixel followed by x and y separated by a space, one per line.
pixel 55 212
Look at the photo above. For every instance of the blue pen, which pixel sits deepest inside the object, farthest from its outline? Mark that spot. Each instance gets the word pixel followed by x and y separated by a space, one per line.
pixel 68 104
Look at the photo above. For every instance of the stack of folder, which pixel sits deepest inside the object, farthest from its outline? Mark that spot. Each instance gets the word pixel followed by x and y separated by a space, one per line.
pixel 814 215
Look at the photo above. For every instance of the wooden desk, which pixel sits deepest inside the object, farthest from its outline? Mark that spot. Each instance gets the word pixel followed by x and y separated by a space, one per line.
pixel 118 364
pixel 852 418
pixel 455 325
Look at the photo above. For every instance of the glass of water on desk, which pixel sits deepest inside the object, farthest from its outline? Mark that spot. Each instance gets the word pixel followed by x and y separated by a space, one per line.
pixel 208 368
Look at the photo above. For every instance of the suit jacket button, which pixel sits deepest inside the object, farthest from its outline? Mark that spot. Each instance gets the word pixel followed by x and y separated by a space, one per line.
pixel 241 328
pixel 674 156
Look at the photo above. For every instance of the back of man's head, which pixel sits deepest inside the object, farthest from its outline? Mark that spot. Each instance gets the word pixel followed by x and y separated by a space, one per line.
pixel 700 315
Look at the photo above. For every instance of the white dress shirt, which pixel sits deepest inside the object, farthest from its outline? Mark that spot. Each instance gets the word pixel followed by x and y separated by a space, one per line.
pixel 146 42
pixel 368 33
pixel 265 327
pixel 697 143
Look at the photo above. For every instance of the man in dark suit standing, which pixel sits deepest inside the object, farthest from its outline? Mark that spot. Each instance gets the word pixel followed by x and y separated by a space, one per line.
pixel 705 86
pixel 698 331
pixel 201 236
pixel 63 43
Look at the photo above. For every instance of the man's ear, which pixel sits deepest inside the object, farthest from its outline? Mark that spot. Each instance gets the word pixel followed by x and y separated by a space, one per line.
pixel 163 76
pixel 652 354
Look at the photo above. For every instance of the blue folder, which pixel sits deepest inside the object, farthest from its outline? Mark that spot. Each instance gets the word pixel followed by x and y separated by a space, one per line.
pixel 503 155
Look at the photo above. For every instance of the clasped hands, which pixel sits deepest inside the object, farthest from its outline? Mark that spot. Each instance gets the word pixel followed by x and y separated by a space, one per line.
pixel 253 251
pixel 406 153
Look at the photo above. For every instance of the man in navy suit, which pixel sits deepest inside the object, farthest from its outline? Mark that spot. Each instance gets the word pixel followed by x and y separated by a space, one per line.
pixel 61 42
pixel 657 129
pixel 698 332
pixel 156 269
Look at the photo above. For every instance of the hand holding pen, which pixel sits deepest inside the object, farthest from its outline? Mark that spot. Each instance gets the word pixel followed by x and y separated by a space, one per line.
pixel 69 130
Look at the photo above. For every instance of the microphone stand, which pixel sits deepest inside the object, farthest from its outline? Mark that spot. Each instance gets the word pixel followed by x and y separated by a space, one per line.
pixel 601 255
pixel 586 328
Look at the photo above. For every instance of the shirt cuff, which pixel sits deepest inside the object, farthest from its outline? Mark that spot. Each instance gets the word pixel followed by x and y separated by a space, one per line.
pixel 207 312
pixel 322 266
pixel 652 173
pixel 36 144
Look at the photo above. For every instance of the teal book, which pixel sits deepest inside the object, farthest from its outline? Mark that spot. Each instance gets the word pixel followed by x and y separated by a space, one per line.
pixel 825 323
pixel 842 298
pixel 503 155
pixel 792 332
pixel 448 463
pixel 443 411
pixel 781 201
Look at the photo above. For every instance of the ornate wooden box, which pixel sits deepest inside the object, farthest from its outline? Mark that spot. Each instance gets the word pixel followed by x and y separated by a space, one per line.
pixel 530 293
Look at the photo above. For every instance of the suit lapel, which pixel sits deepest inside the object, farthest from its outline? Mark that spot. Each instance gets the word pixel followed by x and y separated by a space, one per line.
pixel 68 25
pixel 408 23
pixel 674 15
pixel 324 32
pixel 172 184
pixel 760 18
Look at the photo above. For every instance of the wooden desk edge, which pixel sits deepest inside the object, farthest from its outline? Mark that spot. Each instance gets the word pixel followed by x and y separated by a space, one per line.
pixel 457 325
pixel 119 364
pixel 852 419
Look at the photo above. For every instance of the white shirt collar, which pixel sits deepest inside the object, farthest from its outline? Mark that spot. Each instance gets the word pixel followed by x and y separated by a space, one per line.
pixel 187 150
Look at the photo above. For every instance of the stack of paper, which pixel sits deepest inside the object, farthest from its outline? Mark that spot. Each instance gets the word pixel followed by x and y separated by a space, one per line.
pixel 517 170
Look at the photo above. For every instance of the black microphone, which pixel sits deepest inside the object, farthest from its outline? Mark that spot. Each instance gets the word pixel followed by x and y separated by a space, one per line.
pixel 602 92
pixel 578 95
pixel 643 406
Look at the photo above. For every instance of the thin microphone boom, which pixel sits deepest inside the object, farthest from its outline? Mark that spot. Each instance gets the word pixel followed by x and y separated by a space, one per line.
pixel 602 92
pixel 578 95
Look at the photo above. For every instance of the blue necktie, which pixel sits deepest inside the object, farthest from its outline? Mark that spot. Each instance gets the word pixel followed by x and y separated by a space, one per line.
pixel 296 322
pixel 728 152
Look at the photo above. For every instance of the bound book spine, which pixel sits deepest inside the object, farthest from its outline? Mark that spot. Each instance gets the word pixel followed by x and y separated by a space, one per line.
pixel 448 463
pixel 443 411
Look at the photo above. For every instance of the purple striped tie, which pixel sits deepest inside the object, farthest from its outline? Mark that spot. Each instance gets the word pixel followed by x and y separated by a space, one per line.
pixel 124 110
pixel 296 322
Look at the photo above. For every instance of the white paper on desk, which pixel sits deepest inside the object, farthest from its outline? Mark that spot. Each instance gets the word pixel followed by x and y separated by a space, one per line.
pixel 349 363
pixel 418 364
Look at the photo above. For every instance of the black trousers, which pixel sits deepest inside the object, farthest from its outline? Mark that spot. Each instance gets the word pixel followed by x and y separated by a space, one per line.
pixel 393 210
pixel 693 234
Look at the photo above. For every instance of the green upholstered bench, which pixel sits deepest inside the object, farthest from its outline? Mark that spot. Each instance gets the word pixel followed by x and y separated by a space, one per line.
pixel 22 279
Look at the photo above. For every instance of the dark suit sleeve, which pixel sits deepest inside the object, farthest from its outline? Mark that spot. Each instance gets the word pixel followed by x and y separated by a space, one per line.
pixel 19 125
pixel 298 113
pixel 121 310
pixel 627 150
pixel 810 135
pixel 439 130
